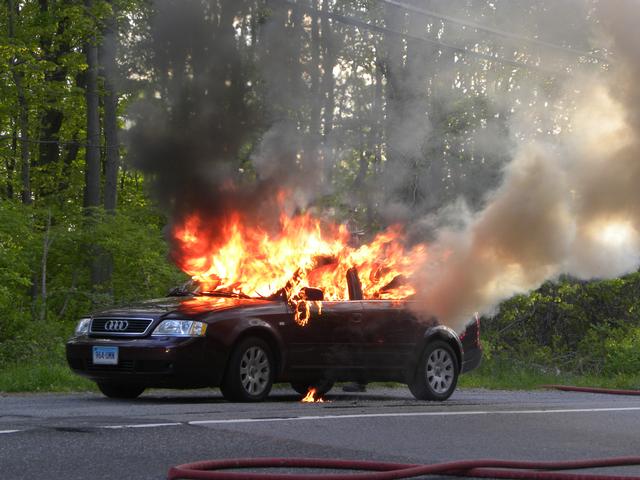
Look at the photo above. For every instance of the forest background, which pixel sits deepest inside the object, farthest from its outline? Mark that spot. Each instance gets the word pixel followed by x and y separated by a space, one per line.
pixel 81 228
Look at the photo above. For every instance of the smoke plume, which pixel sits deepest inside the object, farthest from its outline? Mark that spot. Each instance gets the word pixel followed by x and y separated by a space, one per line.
pixel 571 206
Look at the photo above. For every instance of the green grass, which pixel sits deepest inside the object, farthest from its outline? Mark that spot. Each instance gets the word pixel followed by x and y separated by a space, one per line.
pixel 55 376
pixel 42 377
pixel 500 376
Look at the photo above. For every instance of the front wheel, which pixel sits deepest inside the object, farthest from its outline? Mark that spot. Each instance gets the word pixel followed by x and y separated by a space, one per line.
pixel 120 390
pixel 250 372
pixel 437 373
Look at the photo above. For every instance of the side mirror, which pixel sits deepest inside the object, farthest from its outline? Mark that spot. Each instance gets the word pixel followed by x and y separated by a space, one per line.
pixel 313 294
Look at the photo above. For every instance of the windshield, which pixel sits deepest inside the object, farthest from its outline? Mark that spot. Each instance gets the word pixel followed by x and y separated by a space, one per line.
pixel 194 288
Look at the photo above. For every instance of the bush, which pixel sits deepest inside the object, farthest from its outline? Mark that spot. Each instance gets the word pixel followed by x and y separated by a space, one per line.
pixel 571 327
pixel 33 327
pixel 622 351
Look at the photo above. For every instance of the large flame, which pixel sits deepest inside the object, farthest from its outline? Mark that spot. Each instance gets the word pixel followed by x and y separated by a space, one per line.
pixel 305 252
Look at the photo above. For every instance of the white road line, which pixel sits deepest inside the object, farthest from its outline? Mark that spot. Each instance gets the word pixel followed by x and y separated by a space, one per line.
pixel 9 431
pixel 363 415
pixel 142 425
pixel 414 414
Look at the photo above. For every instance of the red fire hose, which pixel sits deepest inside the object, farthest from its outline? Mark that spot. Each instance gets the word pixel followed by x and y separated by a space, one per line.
pixel 218 469
pixel 381 470
pixel 610 391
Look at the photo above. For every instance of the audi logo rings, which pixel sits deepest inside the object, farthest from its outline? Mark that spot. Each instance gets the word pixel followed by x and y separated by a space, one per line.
pixel 116 325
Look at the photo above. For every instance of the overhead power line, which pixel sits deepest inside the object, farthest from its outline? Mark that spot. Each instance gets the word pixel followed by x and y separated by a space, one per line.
pixel 58 142
pixel 494 31
pixel 354 21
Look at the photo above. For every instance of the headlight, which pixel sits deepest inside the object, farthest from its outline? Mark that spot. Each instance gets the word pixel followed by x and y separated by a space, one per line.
pixel 181 328
pixel 83 326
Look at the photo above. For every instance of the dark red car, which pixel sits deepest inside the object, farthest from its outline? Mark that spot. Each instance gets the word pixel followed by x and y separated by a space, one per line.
pixel 244 345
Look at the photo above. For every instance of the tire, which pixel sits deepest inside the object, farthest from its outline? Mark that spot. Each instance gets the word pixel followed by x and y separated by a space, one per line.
pixel 120 390
pixel 250 372
pixel 322 386
pixel 436 375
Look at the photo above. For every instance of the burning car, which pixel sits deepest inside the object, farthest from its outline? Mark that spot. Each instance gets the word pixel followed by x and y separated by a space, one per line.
pixel 198 338
pixel 302 305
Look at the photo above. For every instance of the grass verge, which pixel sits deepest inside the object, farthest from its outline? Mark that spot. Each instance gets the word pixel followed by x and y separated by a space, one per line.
pixel 500 375
pixel 55 376
pixel 42 377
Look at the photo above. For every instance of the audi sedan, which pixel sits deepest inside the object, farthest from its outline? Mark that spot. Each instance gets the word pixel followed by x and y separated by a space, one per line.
pixel 245 345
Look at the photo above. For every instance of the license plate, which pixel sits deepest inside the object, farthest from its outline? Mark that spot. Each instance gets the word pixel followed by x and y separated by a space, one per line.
pixel 105 355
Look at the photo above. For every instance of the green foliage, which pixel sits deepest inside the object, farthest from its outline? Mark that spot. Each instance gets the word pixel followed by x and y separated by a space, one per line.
pixel 15 238
pixel 622 351
pixel 140 255
pixel 16 247
pixel 506 375
pixel 571 327
pixel 34 322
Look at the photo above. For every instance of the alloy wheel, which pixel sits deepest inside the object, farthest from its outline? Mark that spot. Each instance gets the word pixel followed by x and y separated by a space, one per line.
pixel 439 370
pixel 255 371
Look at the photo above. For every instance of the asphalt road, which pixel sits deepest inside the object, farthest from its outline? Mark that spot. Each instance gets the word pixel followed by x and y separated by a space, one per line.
pixel 86 436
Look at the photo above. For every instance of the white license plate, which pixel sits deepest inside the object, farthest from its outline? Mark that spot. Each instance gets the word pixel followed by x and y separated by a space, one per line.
pixel 105 355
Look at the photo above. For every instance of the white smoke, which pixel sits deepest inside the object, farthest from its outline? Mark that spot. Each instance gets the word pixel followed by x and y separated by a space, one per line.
pixel 567 206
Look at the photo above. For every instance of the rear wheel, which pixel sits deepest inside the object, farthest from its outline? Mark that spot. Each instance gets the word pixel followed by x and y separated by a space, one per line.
pixel 250 372
pixel 120 390
pixel 322 386
pixel 437 373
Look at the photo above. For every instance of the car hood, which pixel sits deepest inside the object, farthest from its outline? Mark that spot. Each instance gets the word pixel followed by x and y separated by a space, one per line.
pixel 191 306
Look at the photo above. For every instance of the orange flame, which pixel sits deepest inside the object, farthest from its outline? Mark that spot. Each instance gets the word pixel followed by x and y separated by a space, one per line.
pixel 304 253
pixel 310 397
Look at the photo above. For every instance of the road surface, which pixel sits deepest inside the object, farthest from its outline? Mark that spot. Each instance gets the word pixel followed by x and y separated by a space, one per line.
pixel 87 436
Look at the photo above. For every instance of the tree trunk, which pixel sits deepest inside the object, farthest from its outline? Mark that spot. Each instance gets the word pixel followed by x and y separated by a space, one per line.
pixel 393 70
pixel 45 255
pixel 25 155
pixel 294 67
pixel 313 138
pixel 92 157
pixel 112 155
pixel 314 73
pixel 375 141
pixel 328 47
pixel 54 48
pixel 328 62
pixel 107 52
pixel 23 117
pixel 11 161
pixel 72 149
pixel 378 110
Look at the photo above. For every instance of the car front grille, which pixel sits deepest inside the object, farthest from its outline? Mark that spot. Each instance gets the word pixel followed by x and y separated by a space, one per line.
pixel 116 326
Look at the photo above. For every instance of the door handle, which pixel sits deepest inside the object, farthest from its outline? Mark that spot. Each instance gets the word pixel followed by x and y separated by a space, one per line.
pixel 356 318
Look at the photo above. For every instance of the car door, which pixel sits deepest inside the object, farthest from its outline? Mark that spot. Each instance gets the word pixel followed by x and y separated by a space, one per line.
pixel 331 340
pixel 390 332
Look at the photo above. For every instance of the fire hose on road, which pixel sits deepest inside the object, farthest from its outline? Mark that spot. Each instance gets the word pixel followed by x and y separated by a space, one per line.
pixel 609 391
pixel 218 469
